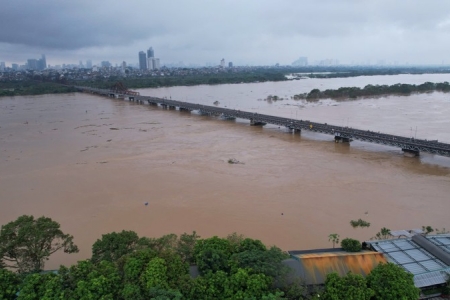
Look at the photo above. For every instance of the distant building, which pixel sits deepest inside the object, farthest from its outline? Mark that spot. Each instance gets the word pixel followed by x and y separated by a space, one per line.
pixel 89 64
pixel 301 62
pixel 222 62
pixel 42 63
pixel 150 53
pixel 142 61
pixel 2 66
pixel 230 64
pixel 105 64
pixel 15 67
pixel 32 64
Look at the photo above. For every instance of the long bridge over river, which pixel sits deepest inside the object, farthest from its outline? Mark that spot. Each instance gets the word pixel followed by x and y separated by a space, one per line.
pixel 340 133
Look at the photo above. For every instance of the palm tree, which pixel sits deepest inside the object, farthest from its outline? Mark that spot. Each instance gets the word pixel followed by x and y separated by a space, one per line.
pixel 334 238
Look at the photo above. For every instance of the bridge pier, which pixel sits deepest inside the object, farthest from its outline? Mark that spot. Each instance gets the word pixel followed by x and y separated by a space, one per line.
pixel 254 122
pixel 411 152
pixel 152 103
pixel 131 98
pixel 112 95
pixel 340 139
pixel 184 109
pixel 164 105
pixel 172 107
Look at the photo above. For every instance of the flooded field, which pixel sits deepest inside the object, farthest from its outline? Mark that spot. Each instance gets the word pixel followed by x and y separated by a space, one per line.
pixel 91 163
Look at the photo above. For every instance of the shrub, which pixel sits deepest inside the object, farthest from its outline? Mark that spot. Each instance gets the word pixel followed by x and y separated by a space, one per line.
pixel 351 245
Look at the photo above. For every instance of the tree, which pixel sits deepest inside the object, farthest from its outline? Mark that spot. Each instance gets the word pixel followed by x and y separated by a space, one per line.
pixel 349 287
pixel 391 282
pixel 9 284
pixel 185 247
pixel 427 229
pixel 212 254
pixel 351 245
pixel 113 246
pixel 26 243
pixel 334 238
pixel 384 234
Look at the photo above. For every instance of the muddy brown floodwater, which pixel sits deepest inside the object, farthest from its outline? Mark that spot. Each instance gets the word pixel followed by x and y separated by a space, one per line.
pixel 91 163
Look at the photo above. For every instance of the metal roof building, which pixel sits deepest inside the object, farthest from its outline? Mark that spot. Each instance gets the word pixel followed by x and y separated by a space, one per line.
pixel 313 266
pixel 426 257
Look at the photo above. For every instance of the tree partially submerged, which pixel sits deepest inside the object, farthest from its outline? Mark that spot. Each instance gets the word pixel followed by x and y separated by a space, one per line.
pixel 26 243
pixel 334 238
pixel 359 223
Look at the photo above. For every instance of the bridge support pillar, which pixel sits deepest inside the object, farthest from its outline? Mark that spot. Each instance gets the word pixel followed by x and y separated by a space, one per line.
pixel 340 139
pixel 184 109
pixel 131 98
pixel 297 130
pixel 172 107
pixel 411 152
pixel 254 122
pixel 112 95
pixel 164 106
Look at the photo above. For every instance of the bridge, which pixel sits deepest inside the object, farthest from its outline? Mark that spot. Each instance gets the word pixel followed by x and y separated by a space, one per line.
pixel 340 133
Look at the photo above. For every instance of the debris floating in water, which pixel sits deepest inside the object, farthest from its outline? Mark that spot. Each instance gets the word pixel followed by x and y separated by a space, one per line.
pixel 146 203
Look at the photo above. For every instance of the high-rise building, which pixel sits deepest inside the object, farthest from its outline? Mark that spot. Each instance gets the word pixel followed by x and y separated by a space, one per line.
pixel 32 64
pixel 105 64
pixel 43 62
pixel 222 62
pixel 2 66
pixel 89 64
pixel 142 60
pixel 301 62
pixel 15 67
pixel 150 52
pixel 230 64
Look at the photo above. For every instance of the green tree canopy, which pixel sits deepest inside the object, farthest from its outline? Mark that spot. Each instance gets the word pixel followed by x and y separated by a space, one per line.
pixel 349 287
pixel 114 245
pixel 351 245
pixel 9 284
pixel 391 282
pixel 26 243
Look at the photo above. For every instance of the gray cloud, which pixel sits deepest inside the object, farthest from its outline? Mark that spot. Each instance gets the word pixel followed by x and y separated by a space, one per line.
pixel 252 31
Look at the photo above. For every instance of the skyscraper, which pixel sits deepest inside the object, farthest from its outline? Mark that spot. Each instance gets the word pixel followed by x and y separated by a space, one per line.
pixel 89 64
pixel 142 61
pixel 43 62
pixel 150 53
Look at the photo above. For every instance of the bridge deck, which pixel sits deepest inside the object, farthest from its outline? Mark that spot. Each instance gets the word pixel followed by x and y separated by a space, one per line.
pixel 405 143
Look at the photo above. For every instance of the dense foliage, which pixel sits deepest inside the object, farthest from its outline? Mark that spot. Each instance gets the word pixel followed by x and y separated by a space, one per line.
pixel 126 266
pixel 351 245
pixel 31 87
pixel 375 90
pixel 391 282
pixel 349 287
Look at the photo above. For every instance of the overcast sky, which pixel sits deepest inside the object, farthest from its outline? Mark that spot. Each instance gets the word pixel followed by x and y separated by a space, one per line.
pixel 255 32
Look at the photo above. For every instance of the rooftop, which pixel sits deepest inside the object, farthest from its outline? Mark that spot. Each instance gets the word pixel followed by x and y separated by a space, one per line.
pixel 427 258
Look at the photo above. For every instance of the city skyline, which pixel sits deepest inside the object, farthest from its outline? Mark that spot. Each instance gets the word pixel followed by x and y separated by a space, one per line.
pixel 248 33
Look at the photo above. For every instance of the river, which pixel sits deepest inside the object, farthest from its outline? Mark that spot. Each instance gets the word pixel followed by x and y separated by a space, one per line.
pixel 91 163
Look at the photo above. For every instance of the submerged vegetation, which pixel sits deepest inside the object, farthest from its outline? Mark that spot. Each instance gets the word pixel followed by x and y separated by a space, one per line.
pixel 30 87
pixel 374 90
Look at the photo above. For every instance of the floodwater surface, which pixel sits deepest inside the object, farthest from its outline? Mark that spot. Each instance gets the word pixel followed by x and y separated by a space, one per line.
pixel 91 163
